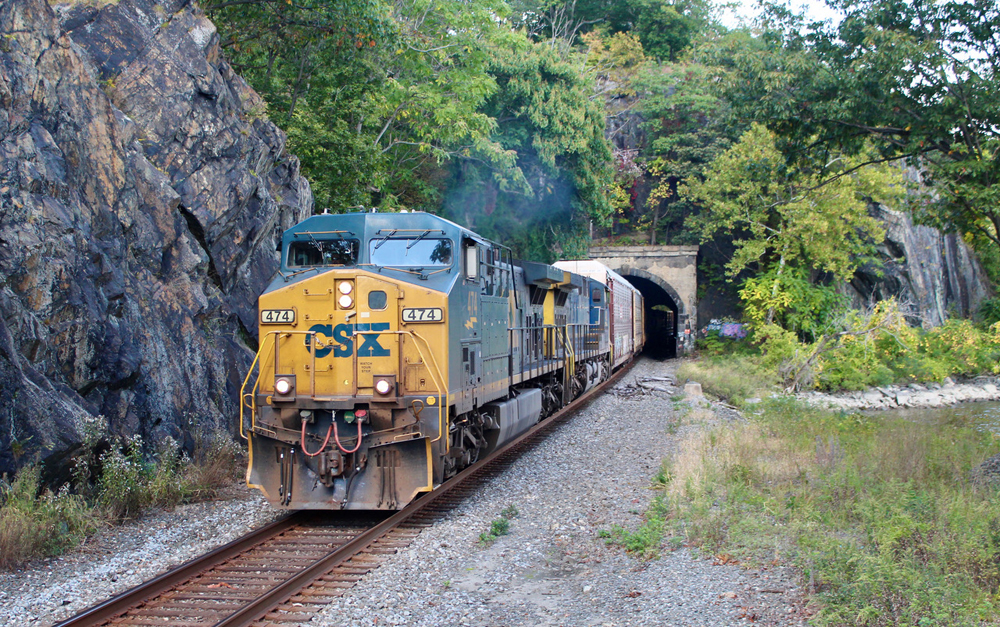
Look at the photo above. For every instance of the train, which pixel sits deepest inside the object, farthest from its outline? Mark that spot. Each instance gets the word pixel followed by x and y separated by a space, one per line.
pixel 396 349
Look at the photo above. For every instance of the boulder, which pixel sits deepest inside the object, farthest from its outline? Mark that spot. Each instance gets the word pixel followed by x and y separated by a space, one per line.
pixel 141 197
pixel 692 389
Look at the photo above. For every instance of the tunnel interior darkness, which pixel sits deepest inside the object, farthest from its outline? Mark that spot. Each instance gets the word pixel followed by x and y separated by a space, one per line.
pixel 660 316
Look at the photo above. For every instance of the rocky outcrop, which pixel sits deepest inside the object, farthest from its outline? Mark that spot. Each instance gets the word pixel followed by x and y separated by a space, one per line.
pixel 932 274
pixel 141 195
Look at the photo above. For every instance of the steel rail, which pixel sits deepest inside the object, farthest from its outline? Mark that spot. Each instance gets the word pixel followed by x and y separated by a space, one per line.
pixel 129 599
pixel 259 607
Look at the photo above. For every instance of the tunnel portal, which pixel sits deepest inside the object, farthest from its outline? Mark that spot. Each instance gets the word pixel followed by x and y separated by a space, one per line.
pixel 668 279
pixel 661 318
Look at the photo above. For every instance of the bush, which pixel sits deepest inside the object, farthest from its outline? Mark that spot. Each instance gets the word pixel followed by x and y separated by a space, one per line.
pixel 128 483
pixel 864 349
pixel 218 463
pixel 123 487
pixel 113 486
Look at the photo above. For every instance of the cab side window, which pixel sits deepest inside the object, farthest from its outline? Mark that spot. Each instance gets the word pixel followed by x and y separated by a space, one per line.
pixel 470 260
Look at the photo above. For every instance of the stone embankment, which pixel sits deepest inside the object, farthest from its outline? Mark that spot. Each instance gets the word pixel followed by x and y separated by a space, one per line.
pixel 912 395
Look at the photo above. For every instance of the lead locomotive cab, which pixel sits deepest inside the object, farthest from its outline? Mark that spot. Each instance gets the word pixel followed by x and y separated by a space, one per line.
pixel 351 373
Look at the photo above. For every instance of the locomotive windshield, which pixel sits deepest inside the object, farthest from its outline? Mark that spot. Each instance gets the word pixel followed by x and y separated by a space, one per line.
pixel 413 252
pixel 323 252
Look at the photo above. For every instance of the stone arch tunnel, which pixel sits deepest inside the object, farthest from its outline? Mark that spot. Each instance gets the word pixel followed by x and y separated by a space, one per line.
pixel 667 278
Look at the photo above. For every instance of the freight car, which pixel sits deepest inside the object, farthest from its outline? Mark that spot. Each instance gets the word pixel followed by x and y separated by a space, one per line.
pixel 398 348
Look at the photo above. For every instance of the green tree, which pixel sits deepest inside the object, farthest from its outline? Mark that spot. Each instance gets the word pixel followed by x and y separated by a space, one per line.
pixel 546 116
pixel 916 80
pixel 787 225
pixel 293 52
pixel 665 27
pixel 688 128
pixel 373 95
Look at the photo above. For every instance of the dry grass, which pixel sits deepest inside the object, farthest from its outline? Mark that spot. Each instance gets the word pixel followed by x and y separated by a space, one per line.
pixel 734 378
pixel 122 484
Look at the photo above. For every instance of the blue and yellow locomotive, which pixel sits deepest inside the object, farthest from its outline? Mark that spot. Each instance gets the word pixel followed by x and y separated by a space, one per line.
pixel 398 348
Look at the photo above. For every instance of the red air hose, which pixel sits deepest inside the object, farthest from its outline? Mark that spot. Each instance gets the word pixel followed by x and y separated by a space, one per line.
pixel 325 442
pixel 336 437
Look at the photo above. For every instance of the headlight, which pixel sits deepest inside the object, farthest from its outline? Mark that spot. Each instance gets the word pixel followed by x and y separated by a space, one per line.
pixel 346 302
pixel 383 387
pixel 282 386
pixel 345 287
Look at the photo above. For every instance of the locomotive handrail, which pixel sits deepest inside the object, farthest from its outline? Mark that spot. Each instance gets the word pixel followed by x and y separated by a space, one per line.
pixel 243 394
pixel 536 361
pixel 443 418
pixel 256 361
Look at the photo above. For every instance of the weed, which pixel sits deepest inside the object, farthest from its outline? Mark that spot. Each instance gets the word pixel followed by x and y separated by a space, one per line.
pixel 121 489
pixel 663 477
pixel 35 522
pixel 217 462
pixel 112 484
pixel 499 527
pixel 646 541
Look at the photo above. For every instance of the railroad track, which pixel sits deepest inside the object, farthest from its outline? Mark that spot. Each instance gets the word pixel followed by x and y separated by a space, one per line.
pixel 290 569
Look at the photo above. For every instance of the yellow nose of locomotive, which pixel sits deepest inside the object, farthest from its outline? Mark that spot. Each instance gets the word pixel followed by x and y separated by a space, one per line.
pixel 347 390
pixel 332 336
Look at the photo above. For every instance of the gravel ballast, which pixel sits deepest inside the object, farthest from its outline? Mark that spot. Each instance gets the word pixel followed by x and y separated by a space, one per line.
pixel 552 568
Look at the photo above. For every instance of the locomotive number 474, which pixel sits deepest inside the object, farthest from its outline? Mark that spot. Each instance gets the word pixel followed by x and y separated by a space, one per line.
pixel 423 314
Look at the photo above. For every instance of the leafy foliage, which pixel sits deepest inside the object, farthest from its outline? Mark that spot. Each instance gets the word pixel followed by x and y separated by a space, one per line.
pixel 916 80
pixel 35 521
pixel 687 131
pixel 780 215
pixel 546 117
pixel 793 301
pixel 793 229
pixel 665 27
pixel 499 527
pixel 372 93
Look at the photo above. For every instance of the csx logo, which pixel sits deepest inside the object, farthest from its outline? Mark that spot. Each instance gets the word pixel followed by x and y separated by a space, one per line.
pixel 343 334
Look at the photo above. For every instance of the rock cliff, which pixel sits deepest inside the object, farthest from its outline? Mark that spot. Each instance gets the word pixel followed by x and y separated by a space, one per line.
pixel 932 274
pixel 141 196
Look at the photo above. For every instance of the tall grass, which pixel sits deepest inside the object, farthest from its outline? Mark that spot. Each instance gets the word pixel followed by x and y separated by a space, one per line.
pixel 880 514
pixel 130 482
pixel 35 522
pixel 731 377
pixel 117 485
